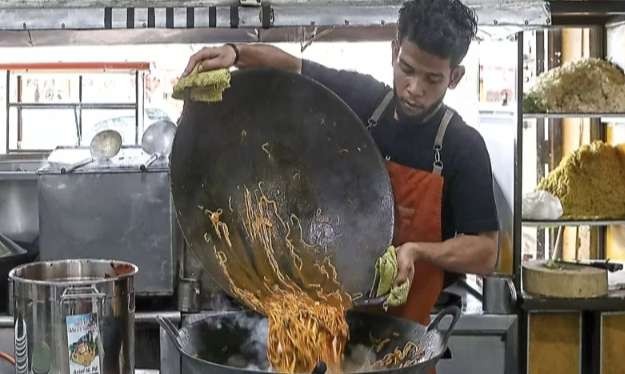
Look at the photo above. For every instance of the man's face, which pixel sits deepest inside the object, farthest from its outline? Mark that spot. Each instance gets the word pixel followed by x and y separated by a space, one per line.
pixel 420 79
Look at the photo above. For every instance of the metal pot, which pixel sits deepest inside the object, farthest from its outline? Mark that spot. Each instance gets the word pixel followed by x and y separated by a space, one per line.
pixel 500 296
pixel 74 314
pixel 235 342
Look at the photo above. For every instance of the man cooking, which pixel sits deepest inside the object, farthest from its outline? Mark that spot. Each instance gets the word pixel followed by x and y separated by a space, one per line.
pixel 440 171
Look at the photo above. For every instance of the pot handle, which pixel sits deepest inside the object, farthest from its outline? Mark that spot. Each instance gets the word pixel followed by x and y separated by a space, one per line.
pixel 74 294
pixel 81 292
pixel 21 345
pixel 171 330
pixel 451 310
pixel 513 293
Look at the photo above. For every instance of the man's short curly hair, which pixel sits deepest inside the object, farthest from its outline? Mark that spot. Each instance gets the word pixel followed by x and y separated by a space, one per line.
pixel 444 28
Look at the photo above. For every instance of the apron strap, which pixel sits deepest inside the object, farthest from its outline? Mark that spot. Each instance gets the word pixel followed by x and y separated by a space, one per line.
pixel 432 113
pixel 381 108
pixel 438 141
pixel 377 113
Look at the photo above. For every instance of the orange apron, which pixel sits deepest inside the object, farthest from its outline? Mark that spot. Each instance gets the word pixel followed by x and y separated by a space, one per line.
pixel 418 203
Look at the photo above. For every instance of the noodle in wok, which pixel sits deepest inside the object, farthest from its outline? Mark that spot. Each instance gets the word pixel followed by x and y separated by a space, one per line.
pixel 306 317
pixel 408 355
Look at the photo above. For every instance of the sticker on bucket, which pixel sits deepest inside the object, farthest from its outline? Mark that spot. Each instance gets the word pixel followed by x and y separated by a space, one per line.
pixel 82 344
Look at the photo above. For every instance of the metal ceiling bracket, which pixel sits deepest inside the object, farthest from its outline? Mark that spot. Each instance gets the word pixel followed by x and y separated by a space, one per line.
pixel 251 3
pixel 116 14
pixel 152 21
pixel 266 15
pixel 309 38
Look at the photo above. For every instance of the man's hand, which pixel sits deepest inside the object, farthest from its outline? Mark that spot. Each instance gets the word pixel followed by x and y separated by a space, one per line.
pixel 211 58
pixel 406 257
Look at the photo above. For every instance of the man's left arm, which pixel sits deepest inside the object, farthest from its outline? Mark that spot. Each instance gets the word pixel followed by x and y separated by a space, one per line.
pixel 476 254
pixel 470 194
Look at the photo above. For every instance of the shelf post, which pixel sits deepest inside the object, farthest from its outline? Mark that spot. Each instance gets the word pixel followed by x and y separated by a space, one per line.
pixel 518 164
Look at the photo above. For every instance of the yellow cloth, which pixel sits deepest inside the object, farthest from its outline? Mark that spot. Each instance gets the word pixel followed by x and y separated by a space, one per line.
pixel 206 86
pixel 386 269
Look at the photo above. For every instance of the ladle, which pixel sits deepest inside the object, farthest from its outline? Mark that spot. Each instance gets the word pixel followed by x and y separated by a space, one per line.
pixel 157 141
pixel 104 146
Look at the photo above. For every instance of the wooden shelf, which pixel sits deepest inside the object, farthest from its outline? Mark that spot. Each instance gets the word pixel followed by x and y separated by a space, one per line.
pixel 614 300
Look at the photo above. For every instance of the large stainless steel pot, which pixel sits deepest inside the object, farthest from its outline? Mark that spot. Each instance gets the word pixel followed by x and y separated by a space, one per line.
pixel 74 315
pixel 235 342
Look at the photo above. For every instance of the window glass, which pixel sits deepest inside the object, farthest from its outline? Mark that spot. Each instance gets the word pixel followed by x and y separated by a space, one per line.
pixel 43 129
pixel 122 121
pixel 108 87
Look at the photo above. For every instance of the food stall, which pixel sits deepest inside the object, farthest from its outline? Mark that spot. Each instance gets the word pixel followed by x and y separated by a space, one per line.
pixel 582 306
pixel 57 215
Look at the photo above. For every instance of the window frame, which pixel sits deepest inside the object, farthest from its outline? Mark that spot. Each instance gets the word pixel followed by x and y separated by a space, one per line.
pixel 138 68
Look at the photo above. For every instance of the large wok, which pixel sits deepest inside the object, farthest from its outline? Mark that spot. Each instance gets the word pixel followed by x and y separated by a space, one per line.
pixel 235 342
pixel 312 155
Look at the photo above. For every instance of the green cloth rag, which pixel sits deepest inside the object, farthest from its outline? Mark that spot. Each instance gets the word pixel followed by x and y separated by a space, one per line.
pixel 386 270
pixel 207 86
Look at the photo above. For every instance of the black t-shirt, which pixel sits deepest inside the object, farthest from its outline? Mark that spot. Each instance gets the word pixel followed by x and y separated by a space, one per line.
pixel 468 205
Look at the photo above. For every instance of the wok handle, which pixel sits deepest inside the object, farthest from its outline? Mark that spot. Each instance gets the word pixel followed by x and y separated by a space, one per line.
pixel 171 330
pixel 376 301
pixel 451 310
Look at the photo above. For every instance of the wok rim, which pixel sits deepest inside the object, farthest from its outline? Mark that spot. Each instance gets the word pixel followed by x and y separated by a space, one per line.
pixel 431 362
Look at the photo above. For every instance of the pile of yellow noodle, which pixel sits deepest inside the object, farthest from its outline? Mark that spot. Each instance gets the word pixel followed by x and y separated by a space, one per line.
pixel 303 332
pixel 299 291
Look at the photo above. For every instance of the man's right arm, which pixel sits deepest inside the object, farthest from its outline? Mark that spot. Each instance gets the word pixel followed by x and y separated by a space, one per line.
pixel 250 56
pixel 361 92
